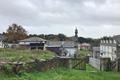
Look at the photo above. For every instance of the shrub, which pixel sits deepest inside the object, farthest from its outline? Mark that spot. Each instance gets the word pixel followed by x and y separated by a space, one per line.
pixel 7 69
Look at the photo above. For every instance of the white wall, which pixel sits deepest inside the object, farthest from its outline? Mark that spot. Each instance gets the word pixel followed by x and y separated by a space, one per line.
pixel 71 52
pixel 1 44
pixel 108 51
pixel 95 63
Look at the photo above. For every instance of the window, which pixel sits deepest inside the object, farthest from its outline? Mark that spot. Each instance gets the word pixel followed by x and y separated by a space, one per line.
pixel 101 53
pixel 106 41
pixel 110 41
pixel 114 41
pixel 115 51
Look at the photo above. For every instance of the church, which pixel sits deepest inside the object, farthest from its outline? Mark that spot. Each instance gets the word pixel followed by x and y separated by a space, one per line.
pixel 65 48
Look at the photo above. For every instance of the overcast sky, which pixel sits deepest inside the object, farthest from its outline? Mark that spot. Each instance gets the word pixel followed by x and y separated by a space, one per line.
pixel 93 18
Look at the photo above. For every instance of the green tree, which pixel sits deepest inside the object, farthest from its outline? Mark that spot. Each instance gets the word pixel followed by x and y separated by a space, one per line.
pixel 15 32
pixel 61 37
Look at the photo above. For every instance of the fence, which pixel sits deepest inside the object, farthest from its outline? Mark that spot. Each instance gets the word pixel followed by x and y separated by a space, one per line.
pixel 75 63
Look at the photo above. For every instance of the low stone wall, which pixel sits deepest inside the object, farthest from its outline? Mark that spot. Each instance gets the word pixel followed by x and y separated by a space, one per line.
pixel 36 65
pixel 57 62
pixel 42 65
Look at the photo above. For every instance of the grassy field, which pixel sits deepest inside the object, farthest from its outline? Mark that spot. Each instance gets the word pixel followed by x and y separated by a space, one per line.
pixel 84 52
pixel 24 55
pixel 55 74
pixel 64 74
pixel 28 55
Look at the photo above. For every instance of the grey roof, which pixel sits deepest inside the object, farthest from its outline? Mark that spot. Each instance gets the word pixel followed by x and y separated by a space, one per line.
pixel 54 43
pixel 108 44
pixel 33 39
pixel 117 38
pixel 61 43
pixel 69 44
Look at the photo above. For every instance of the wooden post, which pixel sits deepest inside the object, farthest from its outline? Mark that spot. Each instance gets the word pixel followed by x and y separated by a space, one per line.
pixel 70 63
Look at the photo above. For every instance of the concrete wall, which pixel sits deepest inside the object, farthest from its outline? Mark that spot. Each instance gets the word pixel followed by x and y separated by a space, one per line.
pixel 103 64
pixel 94 63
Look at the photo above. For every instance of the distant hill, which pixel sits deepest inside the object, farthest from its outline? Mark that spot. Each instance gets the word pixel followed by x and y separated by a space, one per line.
pixel 62 37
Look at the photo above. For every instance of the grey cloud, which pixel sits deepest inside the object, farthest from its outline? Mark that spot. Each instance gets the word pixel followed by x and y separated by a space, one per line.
pixel 60 13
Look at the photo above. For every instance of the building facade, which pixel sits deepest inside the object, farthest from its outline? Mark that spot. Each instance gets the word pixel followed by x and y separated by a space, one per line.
pixel 2 37
pixel 85 46
pixel 110 47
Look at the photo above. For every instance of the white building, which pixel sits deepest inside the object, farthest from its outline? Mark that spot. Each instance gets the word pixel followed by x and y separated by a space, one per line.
pixel 110 47
pixel 1 41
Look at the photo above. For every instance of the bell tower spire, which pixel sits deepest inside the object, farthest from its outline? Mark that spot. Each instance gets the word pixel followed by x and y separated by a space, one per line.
pixel 76 34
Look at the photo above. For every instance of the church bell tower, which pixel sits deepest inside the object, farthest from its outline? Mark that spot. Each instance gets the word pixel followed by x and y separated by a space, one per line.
pixel 76 35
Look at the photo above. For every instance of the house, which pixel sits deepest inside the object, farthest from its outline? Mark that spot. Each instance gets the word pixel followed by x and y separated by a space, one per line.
pixel 62 48
pixel 2 37
pixel 85 46
pixel 110 47
pixel 96 52
pixel 65 48
pixel 33 43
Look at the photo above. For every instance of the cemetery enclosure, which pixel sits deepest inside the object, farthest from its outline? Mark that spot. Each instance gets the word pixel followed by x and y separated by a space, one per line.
pixel 38 60
pixel 71 63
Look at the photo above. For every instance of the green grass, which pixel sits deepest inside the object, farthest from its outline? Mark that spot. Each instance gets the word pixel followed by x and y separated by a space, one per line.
pixel 90 68
pixel 65 74
pixel 56 74
pixel 24 55
pixel 84 53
